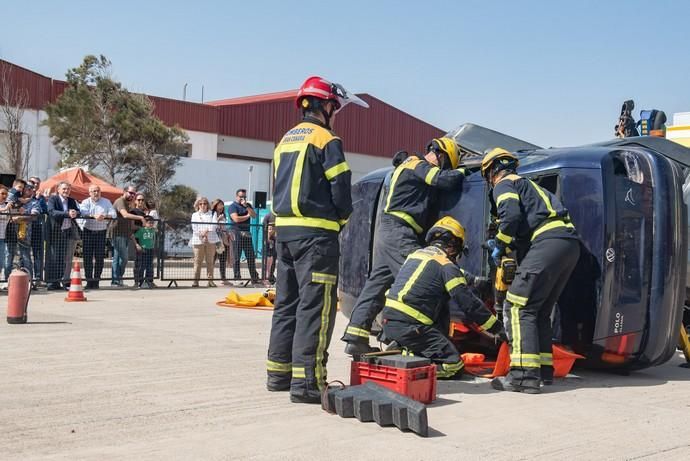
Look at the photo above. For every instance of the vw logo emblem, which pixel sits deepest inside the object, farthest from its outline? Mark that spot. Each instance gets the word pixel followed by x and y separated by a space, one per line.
pixel 610 255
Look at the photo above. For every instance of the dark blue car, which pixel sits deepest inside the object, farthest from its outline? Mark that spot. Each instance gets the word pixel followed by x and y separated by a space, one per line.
pixel 623 305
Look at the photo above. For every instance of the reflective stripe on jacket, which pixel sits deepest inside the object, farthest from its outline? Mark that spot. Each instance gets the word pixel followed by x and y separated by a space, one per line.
pixel 527 211
pixel 425 283
pixel 410 189
pixel 312 182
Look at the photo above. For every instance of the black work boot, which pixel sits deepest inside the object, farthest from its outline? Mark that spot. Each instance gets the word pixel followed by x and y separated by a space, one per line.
pixel 305 398
pixel 358 348
pixel 277 384
pixel 503 384
pixel 547 375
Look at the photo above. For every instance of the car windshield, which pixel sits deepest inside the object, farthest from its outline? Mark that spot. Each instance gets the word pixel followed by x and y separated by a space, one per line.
pixel 477 140
pixel 528 158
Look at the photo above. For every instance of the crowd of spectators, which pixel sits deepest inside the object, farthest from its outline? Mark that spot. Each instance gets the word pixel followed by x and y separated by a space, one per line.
pixel 35 223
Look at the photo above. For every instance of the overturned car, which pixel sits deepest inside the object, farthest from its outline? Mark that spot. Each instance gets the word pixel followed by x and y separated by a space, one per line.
pixel 623 305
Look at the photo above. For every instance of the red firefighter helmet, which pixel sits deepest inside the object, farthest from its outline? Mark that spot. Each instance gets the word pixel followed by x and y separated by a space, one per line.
pixel 321 88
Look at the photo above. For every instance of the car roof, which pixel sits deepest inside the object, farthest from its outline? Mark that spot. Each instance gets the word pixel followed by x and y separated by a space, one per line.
pixel 663 146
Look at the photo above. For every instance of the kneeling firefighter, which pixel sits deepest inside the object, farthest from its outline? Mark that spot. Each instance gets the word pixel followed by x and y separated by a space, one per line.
pixel 532 221
pixel 417 305
pixel 400 230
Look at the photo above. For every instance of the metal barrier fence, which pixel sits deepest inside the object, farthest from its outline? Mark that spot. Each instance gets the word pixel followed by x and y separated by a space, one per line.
pixel 112 253
pixel 212 251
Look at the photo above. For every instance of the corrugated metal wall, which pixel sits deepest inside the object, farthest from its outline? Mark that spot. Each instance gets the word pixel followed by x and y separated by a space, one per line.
pixel 188 115
pixel 380 130
pixel 37 87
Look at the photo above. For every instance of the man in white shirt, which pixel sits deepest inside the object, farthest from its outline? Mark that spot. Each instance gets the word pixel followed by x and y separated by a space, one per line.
pixel 99 213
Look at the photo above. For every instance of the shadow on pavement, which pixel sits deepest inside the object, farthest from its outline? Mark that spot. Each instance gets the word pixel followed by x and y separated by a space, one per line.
pixel 49 323
pixel 675 369
pixel 441 402
pixel 471 386
pixel 655 376
pixel 433 433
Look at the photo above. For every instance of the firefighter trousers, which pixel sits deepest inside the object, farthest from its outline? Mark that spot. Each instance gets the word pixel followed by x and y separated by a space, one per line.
pixel 394 240
pixel 539 281
pixel 304 315
pixel 425 341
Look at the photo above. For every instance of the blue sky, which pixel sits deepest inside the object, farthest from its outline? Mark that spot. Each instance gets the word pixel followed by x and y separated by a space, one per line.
pixel 550 72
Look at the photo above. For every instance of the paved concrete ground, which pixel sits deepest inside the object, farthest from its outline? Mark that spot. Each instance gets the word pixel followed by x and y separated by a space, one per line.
pixel 166 374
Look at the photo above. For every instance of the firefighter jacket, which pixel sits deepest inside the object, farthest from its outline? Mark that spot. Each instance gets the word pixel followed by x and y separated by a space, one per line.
pixel 527 212
pixel 312 183
pixel 411 186
pixel 425 283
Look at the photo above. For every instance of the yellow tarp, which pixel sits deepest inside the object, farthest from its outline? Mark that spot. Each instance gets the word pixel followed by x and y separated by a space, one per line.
pixel 250 301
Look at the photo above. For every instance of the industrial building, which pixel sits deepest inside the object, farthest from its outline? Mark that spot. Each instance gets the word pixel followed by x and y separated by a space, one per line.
pixel 231 141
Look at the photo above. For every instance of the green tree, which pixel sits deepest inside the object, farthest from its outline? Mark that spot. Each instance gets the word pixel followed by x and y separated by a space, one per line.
pixel 177 203
pixel 99 124
pixel 177 206
pixel 158 151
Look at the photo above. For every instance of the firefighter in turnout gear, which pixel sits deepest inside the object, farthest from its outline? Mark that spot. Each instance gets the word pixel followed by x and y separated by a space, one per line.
pixel 532 221
pixel 417 310
pixel 311 203
pixel 400 230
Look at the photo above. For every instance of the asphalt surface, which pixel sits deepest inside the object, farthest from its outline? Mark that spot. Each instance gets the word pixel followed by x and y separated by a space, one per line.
pixel 166 374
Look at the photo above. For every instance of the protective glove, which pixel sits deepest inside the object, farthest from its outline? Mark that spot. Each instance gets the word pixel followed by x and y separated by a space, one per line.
pixel 498 332
pixel 497 253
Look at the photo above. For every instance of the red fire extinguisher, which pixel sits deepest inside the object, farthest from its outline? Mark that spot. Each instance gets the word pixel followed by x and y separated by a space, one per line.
pixel 18 293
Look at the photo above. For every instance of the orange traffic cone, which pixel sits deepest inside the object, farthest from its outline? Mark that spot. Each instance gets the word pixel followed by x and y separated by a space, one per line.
pixel 76 291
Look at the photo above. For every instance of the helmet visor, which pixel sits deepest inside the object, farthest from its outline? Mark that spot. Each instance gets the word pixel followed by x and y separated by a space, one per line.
pixel 345 97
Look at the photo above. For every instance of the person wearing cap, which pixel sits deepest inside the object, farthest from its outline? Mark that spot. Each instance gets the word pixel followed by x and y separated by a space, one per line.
pixel 312 203
pixel 534 224
pixel 401 229
pixel 417 311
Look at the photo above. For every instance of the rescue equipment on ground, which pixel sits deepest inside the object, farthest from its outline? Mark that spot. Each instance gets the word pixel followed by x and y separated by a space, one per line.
pixel 414 377
pixel 18 293
pixel 372 402
pixel 76 291
pixel 270 294
pixel 258 301
pixel 478 364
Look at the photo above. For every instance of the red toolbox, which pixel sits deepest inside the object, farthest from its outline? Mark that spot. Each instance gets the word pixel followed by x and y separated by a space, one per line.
pixel 398 374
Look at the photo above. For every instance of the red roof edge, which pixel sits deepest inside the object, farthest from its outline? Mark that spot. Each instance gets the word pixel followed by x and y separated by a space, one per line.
pixel 266 97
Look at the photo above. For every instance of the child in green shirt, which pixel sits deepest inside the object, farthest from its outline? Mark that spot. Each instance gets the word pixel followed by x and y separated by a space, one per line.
pixel 145 242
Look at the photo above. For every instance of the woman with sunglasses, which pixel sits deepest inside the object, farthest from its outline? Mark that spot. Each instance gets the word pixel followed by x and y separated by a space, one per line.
pixel 204 238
